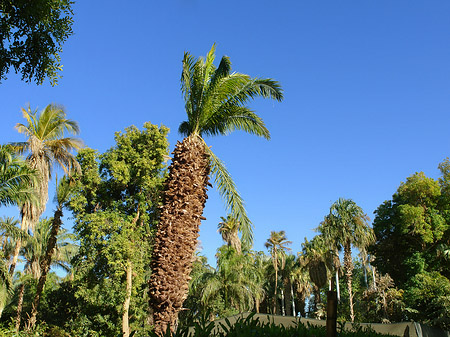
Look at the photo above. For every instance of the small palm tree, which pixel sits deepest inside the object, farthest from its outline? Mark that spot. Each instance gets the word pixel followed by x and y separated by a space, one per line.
pixel 46 146
pixel 62 194
pixel 347 227
pixel 34 253
pixel 215 101
pixel 314 258
pixel 15 179
pixel 277 245
pixel 229 228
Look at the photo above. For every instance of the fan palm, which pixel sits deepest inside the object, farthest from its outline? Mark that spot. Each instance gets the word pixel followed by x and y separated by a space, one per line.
pixel 229 228
pixel 348 226
pixel 215 101
pixel 277 245
pixel 313 257
pixel 46 146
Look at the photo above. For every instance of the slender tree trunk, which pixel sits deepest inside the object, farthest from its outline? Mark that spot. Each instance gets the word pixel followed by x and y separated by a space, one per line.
pixel 275 300
pixel 126 303
pixel 293 300
pixel 12 267
pixel 338 292
pixel 283 311
pixel 20 306
pixel 348 264
pixel 45 266
pixel 177 231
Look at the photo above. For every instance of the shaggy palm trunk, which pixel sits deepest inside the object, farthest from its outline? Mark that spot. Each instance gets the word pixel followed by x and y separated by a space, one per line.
pixel 20 306
pixel 45 265
pixel 126 303
pixel 348 265
pixel 178 230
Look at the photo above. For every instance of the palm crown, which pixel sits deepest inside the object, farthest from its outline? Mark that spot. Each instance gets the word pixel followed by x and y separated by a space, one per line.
pixel 215 102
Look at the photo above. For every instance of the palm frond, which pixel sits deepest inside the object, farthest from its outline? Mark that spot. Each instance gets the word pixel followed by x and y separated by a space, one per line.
pixel 233 201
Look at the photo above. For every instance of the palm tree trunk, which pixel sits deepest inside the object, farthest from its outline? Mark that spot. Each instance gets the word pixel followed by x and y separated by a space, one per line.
pixel 178 230
pixel 348 265
pixel 338 292
pixel 20 306
pixel 275 300
pixel 126 303
pixel 293 300
pixel 12 267
pixel 283 311
pixel 45 266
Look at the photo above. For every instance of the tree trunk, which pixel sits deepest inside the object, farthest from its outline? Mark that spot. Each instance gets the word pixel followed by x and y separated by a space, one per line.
pixel 20 306
pixel 293 300
pixel 126 303
pixel 12 267
pixel 338 292
pixel 177 231
pixel 45 266
pixel 348 265
pixel 275 300
pixel 283 312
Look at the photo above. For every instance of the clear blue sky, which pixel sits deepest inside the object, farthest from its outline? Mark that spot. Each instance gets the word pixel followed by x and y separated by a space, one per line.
pixel 366 83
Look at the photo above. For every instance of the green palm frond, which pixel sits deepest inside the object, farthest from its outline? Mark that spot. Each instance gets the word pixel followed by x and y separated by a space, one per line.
pixel 8 226
pixel 228 192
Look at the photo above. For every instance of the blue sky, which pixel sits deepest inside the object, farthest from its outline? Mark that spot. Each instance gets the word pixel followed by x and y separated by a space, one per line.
pixel 366 85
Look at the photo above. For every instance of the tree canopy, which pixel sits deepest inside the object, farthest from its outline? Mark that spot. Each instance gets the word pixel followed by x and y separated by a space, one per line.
pixel 32 35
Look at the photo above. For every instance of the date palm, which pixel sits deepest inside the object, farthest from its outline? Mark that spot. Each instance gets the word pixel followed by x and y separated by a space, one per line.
pixel 215 102
pixel 46 146
pixel 277 245
pixel 347 225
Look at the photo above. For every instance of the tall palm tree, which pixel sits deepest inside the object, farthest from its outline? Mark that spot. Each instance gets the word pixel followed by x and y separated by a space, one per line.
pixel 215 101
pixel 348 226
pixel 62 194
pixel 229 228
pixel 277 245
pixel 46 146
pixel 15 179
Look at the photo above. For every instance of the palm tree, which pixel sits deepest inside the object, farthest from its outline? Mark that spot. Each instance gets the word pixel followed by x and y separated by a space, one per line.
pixel 313 257
pixel 348 226
pixel 9 233
pixel 277 246
pixel 62 194
pixel 215 101
pixel 34 253
pixel 229 228
pixel 15 179
pixel 46 146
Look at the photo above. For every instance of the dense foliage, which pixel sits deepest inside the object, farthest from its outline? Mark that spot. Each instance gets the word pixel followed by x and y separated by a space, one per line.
pixel 32 35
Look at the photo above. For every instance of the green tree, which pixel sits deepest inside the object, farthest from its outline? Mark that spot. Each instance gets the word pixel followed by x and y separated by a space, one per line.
pixel 15 179
pixel 33 33
pixel 348 226
pixel 215 101
pixel 46 146
pixel 33 252
pixel 115 205
pixel 229 228
pixel 313 258
pixel 413 235
pixel 277 245
pixel 62 194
